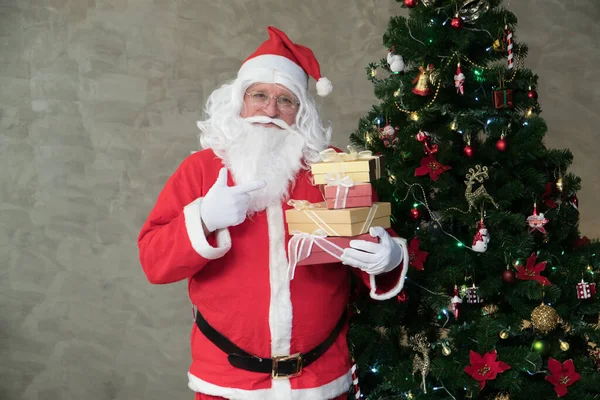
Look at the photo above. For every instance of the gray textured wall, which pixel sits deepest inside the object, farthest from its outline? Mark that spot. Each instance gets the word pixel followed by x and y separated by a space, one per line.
pixel 98 100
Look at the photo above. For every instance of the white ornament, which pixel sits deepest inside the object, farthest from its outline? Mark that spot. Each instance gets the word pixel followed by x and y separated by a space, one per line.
pixel 395 61
pixel 481 239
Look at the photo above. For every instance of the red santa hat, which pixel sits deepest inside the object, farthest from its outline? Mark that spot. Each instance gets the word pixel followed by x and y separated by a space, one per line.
pixel 279 60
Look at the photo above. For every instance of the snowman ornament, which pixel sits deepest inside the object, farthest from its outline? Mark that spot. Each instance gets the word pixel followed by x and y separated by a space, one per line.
pixel 395 61
pixel 481 239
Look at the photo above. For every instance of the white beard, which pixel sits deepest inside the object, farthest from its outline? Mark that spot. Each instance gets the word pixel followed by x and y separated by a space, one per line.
pixel 267 153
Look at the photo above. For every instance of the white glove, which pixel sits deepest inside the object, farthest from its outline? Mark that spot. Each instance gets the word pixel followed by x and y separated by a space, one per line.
pixel 374 258
pixel 225 206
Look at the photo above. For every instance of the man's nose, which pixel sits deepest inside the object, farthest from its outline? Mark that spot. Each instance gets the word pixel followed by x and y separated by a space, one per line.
pixel 271 108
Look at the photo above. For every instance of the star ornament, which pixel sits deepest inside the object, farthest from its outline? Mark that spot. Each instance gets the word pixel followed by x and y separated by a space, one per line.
pixel 562 375
pixel 416 256
pixel 537 221
pixel 485 368
pixel 531 271
pixel 431 166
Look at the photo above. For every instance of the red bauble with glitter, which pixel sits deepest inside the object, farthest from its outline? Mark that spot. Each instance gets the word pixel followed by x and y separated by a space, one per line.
pixel 532 94
pixel 501 144
pixel 508 276
pixel 414 213
pixel 402 297
pixel 410 3
pixel 468 150
pixel 457 22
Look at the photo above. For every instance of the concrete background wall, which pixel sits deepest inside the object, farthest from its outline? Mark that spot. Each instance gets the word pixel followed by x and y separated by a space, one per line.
pixel 98 100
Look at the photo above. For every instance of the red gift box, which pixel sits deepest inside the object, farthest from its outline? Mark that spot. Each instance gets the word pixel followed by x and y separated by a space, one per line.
pixel 473 295
pixel 585 290
pixel 306 249
pixel 359 195
pixel 503 98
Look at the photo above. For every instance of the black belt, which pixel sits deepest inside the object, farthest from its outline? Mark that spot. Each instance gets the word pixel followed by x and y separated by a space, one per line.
pixel 279 367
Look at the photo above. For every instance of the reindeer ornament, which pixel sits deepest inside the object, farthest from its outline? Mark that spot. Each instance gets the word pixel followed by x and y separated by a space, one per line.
pixel 421 362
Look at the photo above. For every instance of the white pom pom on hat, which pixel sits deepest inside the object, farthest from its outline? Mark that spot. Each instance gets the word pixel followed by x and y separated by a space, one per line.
pixel 324 86
pixel 279 60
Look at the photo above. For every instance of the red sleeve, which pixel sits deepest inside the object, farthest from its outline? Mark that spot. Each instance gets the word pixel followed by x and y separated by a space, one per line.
pixel 172 245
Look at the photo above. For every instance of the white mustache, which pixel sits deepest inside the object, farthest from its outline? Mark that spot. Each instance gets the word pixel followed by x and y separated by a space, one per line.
pixel 263 119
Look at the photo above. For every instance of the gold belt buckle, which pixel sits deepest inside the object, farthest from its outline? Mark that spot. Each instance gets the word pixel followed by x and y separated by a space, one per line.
pixel 275 374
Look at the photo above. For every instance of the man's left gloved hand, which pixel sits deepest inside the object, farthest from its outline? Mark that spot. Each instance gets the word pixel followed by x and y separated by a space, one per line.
pixel 374 258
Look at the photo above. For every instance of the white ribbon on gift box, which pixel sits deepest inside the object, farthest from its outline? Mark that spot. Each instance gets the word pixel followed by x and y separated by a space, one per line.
pixel 343 185
pixel 307 207
pixel 330 155
pixel 301 244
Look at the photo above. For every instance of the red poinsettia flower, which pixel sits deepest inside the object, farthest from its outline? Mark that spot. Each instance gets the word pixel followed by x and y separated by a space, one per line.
pixel 431 166
pixel 485 368
pixel 417 257
pixel 563 375
pixel 546 196
pixel 531 271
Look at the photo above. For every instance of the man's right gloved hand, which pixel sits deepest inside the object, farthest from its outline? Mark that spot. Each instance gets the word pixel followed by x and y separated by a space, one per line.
pixel 225 206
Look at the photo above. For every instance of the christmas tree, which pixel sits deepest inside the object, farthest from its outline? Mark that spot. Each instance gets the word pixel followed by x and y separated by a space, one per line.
pixel 499 301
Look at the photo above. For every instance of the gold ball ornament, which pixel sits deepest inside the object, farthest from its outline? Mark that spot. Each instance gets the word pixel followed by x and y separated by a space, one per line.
pixel 503 334
pixel 502 396
pixel 544 318
pixel 414 116
pixel 373 72
pixel 564 346
pixel 397 93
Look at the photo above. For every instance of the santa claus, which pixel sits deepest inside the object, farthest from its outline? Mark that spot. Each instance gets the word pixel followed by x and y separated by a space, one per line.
pixel 219 222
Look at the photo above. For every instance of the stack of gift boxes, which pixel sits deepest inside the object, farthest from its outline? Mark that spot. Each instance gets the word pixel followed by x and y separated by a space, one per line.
pixel 321 231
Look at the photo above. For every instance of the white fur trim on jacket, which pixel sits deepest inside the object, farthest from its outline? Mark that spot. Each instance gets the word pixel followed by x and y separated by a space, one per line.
pixel 193 225
pixel 400 284
pixel 328 391
pixel 280 305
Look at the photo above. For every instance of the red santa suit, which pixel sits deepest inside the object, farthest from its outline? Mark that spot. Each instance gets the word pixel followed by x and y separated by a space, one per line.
pixel 237 278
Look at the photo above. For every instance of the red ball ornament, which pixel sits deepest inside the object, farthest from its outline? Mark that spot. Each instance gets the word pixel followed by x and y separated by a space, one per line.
pixel 501 144
pixel 414 213
pixel 532 94
pixel 457 22
pixel 410 3
pixel 468 150
pixel 508 276
pixel 402 297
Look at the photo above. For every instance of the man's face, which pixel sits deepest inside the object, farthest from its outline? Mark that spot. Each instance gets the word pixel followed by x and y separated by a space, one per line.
pixel 272 100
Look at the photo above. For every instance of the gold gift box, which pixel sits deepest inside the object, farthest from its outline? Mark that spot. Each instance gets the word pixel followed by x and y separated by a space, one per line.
pixel 366 170
pixel 340 222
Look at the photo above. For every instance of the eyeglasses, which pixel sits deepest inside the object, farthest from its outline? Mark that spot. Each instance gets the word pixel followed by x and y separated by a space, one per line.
pixel 285 104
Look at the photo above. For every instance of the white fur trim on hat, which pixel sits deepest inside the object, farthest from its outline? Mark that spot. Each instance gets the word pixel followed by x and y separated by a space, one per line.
pixel 324 86
pixel 270 68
